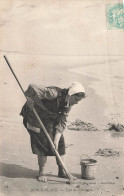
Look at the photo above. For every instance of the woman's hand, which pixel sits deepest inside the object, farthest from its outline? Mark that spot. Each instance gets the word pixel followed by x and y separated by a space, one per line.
pixel 57 138
pixel 30 103
pixel 56 145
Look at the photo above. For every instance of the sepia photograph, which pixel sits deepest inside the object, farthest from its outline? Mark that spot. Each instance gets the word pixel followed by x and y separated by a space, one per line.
pixel 62 97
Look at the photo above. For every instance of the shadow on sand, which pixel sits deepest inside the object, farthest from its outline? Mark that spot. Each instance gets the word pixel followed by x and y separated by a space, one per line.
pixel 16 171
pixel 78 176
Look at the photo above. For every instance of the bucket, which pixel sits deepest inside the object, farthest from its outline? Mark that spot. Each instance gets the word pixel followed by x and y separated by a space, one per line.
pixel 88 168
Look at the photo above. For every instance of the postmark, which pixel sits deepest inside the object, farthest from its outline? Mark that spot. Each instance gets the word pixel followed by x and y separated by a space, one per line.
pixel 115 16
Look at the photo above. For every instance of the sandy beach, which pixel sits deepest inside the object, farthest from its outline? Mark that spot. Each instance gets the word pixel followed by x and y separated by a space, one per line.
pixel 19 166
pixel 51 44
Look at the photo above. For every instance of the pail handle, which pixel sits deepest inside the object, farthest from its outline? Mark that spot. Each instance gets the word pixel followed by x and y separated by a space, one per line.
pixel 85 155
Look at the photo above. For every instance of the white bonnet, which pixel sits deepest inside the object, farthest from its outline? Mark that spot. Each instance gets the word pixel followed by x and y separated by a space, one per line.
pixel 76 87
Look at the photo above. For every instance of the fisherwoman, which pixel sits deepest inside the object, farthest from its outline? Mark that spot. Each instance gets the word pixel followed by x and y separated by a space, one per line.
pixel 52 105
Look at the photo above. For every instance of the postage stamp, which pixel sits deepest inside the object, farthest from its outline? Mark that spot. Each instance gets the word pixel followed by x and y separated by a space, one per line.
pixel 115 16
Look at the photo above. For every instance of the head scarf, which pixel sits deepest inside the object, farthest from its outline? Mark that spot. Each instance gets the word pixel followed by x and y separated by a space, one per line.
pixel 76 87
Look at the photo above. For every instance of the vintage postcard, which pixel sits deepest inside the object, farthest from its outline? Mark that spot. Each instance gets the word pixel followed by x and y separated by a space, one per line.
pixel 62 97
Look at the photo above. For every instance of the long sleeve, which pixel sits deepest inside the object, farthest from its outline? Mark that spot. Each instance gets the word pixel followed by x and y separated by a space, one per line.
pixel 63 119
pixel 41 92
pixel 38 93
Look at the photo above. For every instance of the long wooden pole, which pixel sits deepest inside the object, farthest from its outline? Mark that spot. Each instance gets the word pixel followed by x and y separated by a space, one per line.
pixel 43 128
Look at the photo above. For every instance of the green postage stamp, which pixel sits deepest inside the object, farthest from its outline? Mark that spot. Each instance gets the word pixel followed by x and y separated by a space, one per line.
pixel 115 16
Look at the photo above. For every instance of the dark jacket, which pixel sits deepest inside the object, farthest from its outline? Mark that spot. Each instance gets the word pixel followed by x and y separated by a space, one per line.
pixel 50 104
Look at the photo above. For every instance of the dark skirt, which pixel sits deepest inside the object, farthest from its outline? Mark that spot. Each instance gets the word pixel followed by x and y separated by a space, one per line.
pixel 40 144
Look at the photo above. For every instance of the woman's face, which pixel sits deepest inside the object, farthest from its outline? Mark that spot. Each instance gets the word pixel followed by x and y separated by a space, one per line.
pixel 74 99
